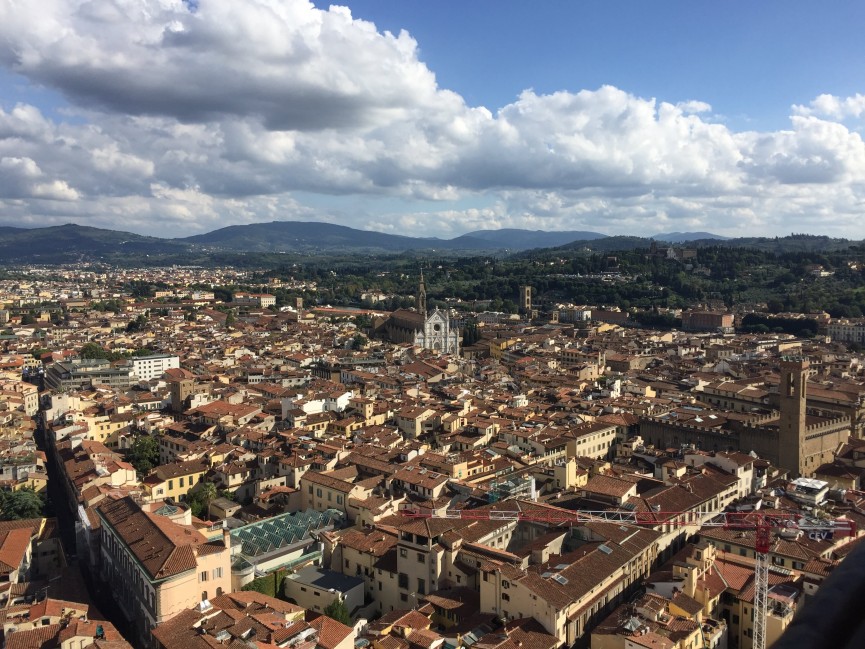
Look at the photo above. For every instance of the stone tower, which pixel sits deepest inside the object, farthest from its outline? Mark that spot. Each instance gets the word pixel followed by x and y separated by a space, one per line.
pixel 526 299
pixel 791 425
pixel 420 300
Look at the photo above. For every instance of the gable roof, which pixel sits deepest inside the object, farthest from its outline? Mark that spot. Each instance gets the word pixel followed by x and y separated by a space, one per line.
pixel 163 548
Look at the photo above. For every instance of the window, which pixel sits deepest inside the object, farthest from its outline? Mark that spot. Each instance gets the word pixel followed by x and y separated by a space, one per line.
pixel 339 500
pixel 310 490
pixel 403 553
pixel 506 597
pixel 506 583
pixel 329 496
pixel 171 484
pixel 202 576
pixel 403 597
pixel 421 586
pixel 421 558
pixel 347 564
pixel 217 573
pixel 318 492
pixel 402 580
pixel 181 482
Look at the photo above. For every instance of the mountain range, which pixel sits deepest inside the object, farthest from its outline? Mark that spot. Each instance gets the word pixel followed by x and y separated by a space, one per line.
pixel 76 242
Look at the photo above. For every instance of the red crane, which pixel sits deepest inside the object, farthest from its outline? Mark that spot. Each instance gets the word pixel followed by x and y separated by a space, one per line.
pixel 763 523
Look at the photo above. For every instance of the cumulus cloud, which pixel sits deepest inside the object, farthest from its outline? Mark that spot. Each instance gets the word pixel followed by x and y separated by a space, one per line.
pixel 833 107
pixel 189 116
pixel 287 63
pixel 22 178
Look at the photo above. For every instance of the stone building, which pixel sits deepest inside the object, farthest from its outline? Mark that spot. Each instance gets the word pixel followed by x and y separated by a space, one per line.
pixel 432 331
pixel 796 437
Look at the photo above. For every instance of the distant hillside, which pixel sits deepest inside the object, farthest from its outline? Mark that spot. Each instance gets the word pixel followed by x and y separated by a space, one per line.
pixel 72 243
pixel 69 242
pixel 516 239
pixel 780 245
pixel 305 236
pixel 681 237
pixel 609 244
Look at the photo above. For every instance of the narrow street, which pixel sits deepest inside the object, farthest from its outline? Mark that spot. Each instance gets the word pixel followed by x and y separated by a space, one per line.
pixel 100 596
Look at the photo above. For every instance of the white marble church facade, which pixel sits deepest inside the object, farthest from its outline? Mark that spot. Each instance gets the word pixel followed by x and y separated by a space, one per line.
pixel 437 334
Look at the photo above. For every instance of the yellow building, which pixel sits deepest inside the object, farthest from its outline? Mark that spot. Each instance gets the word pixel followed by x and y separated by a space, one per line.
pixel 174 480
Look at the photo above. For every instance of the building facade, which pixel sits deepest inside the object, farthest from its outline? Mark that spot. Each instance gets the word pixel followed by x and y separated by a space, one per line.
pixel 152 367
pixel 158 568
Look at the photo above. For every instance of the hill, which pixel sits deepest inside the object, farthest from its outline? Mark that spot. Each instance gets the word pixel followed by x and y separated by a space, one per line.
pixel 682 237
pixel 73 243
pixel 516 239
pixel 64 243
pixel 312 236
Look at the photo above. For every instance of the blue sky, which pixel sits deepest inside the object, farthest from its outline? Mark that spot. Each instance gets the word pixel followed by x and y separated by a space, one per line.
pixel 618 117
pixel 750 60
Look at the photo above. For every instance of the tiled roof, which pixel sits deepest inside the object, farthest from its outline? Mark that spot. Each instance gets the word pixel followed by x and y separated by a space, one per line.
pixel 330 632
pixel 13 547
pixel 163 547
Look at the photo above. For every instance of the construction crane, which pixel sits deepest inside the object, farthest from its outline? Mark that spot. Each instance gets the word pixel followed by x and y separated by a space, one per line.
pixel 763 523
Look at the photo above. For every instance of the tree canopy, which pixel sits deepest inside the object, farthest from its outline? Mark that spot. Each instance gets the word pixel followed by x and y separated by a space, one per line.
pixel 143 454
pixel 17 505
pixel 338 611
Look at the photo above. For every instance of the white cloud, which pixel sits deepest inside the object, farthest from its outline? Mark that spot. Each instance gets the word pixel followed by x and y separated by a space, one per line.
pixel 22 178
pixel 833 107
pixel 188 120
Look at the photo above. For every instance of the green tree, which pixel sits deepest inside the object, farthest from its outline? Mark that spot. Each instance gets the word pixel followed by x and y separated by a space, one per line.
pixel 24 503
pixel 143 454
pixel 209 492
pixel 338 611
pixel 28 319
pixel 92 350
pixel 200 499
pixel 137 324
pixel 471 334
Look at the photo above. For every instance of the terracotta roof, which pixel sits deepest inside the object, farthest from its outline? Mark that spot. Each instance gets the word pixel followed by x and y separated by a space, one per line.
pixel 13 547
pixel 163 547
pixel 330 631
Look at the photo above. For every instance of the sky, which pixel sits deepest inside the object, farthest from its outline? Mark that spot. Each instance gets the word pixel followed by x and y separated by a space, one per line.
pixel 176 117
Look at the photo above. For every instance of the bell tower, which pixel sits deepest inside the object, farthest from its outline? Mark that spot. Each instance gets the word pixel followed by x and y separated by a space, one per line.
pixel 420 300
pixel 791 424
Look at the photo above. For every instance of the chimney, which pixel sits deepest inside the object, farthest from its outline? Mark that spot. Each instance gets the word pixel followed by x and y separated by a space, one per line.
pixel 226 537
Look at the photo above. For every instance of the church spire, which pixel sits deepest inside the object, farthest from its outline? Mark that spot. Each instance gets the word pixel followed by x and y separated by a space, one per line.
pixel 420 300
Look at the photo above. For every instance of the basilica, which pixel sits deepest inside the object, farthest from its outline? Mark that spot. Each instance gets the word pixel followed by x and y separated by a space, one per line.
pixel 431 331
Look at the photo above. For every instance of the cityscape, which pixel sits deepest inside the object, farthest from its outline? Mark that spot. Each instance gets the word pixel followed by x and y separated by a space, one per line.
pixel 189 461
pixel 486 325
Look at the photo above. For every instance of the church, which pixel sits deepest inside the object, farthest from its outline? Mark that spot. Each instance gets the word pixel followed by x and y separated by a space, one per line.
pixel 431 331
